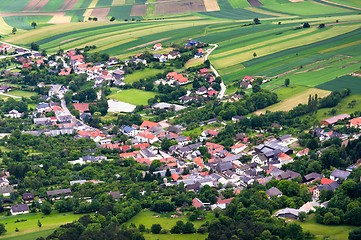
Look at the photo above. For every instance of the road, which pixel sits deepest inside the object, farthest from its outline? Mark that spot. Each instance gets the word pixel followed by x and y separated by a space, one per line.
pixel 16 46
pixel 223 86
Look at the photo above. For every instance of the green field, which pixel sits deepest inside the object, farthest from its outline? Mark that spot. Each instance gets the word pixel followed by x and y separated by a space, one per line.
pixel 353 83
pixel 12 5
pixel 326 232
pixel 132 96
pixel 20 93
pixel 24 22
pixel 104 3
pixel 29 228
pixel 52 5
pixel 147 218
pixel 143 74
pixel 353 3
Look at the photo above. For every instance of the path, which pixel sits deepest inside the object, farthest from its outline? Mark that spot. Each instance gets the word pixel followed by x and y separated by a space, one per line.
pixel 8 95
pixel 223 86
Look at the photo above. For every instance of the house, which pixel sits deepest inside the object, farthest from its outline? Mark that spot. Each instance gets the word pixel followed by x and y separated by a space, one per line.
pixel 287 213
pixel 221 203
pixel 309 206
pixel 312 177
pixel 339 175
pixel 81 107
pixel 14 114
pixel 245 85
pixel 224 166
pixel 355 122
pixel 4 182
pixel 238 148
pixel 273 192
pixel 88 159
pixel 201 91
pixel 6 190
pixel 28 197
pixel 129 131
pixel 325 187
pixel 197 203
pixel 147 137
pixel 249 79
pixel 19 209
pixel 335 119
pixel 4 88
pixel 203 71
pixel 148 124
pixel 237 118
pixel 157 46
pixel 56 194
pixel 303 152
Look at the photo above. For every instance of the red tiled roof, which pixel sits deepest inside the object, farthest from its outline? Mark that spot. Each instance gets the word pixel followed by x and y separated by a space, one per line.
pixel 81 107
pixel 224 201
pixel 141 145
pixel 148 124
pixel 197 203
pixel 355 121
pixel 325 181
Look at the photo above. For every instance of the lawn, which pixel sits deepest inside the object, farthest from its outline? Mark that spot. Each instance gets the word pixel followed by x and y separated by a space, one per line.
pixel 326 232
pixel 147 218
pixel 20 93
pixel 132 96
pixel 290 101
pixel 29 228
pixel 143 74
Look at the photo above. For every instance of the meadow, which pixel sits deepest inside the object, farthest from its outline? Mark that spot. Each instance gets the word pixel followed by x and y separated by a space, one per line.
pixel 29 228
pixel 324 231
pixel 132 96
pixel 143 74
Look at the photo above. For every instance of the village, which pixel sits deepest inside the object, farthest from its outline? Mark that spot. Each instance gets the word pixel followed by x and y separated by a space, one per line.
pixel 193 162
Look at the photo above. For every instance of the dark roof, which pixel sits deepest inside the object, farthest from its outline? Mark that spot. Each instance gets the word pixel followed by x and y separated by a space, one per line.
pixel 224 166
pixel 58 192
pixel 28 196
pixel 289 175
pixel 329 187
pixel 195 187
pixel 312 176
pixel 273 191
pixel 340 174
pixel 19 208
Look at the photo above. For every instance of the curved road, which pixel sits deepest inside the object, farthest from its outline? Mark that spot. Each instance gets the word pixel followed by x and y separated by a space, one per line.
pixel 223 86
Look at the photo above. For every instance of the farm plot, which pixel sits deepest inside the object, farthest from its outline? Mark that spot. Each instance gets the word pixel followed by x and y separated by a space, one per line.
pixel 53 5
pixel 100 13
pixel 139 10
pixel 255 3
pixel 211 5
pixel 81 4
pixel 300 98
pixel 121 12
pixel 227 11
pixel 35 5
pixel 353 3
pixel 75 15
pixel 24 22
pixel 104 3
pixel 68 5
pixel 239 3
pixel 60 18
pixel 118 2
pixel 353 83
pixel 177 7
pixel 12 5
pixel 4 27
pixel 305 8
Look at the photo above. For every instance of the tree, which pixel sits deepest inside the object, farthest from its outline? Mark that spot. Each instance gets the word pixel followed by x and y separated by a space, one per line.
pixel 34 46
pixel 39 223
pixel 33 24
pixel 256 88
pixel 287 82
pixel 141 228
pixel 188 228
pixel 2 229
pixel 156 228
pixel 322 25
pixel 46 208
pixel 306 25
pixel 254 54
pixel 14 30
pixel 302 216
pixel 166 144
pixel 256 21
pixel 17 230
pixel 355 234
pixel 112 19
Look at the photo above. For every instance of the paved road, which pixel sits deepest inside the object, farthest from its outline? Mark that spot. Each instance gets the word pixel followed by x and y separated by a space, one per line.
pixel 223 86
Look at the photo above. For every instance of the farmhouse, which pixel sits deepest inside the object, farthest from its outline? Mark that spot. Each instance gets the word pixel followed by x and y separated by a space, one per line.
pixel 19 209
pixel 335 119
pixel 55 194
pixel 28 197
pixel 157 46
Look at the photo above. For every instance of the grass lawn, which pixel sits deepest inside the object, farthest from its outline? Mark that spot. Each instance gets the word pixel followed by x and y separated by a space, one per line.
pixel 29 229
pixel 323 231
pixel 292 98
pixel 194 62
pixel 342 107
pixel 145 73
pixel 147 218
pixel 20 93
pixel 132 96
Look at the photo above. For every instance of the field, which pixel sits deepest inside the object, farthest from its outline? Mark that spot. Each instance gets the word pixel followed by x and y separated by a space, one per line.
pixel 24 22
pixel 353 83
pixel 147 218
pixel 326 232
pixel 29 228
pixel 20 93
pixel 136 76
pixel 132 96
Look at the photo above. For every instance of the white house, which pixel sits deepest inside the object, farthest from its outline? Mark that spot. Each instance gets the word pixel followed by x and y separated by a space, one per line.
pixel 14 114
pixel 19 209
pixel 157 46
pixel 238 148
